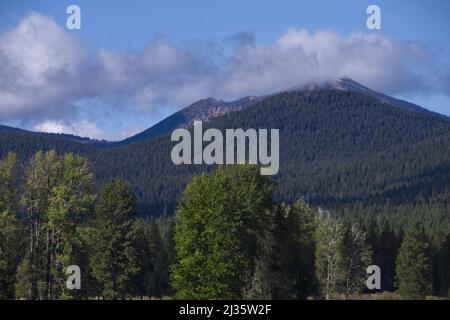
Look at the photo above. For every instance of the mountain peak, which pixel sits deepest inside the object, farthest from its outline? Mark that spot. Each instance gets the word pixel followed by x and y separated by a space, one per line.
pixel 347 84
pixel 342 83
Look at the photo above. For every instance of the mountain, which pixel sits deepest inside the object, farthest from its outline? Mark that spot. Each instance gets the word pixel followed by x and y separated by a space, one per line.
pixel 8 128
pixel 63 136
pixel 203 110
pixel 349 85
pixel 346 151
pixel 210 108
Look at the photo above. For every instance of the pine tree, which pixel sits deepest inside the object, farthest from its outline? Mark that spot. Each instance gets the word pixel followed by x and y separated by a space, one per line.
pixel 444 268
pixel 294 251
pixel 159 274
pixel 114 260
pixel 413 266
pixel 169 247
pixel 143 257
pixel 385 254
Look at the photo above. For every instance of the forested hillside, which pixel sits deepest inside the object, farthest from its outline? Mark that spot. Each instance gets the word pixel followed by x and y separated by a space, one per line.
pixel 340 150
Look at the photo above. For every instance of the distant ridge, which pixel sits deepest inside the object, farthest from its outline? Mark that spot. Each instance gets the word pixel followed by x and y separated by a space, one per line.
pixel 8 128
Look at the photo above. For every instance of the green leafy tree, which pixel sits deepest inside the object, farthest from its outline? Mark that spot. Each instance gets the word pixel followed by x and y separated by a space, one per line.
pixel 70 205
pixel 11 230
pixel 219 222
pixel 114 260
pixel 42 175
pixel 357 257
pixel 329 259
pixel 413 266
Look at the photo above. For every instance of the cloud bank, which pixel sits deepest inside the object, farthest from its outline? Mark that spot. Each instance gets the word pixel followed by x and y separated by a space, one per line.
pixel 46 72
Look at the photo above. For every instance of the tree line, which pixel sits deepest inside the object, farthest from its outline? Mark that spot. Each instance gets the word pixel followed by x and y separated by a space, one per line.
pixel 52 218
pixel 229 239
pixel 234 242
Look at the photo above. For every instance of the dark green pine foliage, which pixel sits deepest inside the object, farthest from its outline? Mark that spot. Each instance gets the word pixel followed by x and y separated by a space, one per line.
pixel 413 266
pixel 114 260
pixel 293 252
pixel 385 244
pixel 168 240
pixel 443 268
pixel 143 257
pixel 155 253
pixel 158 284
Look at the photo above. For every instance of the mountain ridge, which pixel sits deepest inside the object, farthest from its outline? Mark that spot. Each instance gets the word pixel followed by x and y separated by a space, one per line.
pixel 210 108
pixel 345 83
pixel 201 110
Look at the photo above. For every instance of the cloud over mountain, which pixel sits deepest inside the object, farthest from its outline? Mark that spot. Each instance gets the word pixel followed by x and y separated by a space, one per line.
pixel 46 71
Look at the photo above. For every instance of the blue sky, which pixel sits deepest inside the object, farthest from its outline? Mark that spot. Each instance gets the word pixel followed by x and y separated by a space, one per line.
pixel 204 40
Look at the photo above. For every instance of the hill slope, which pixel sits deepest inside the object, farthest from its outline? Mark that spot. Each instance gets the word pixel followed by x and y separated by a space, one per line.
pixel 343 150
pixel 347 84
pixel 202 110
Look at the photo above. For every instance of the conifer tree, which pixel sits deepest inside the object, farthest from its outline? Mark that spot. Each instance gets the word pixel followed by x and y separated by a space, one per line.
pixel 444 268
pixel 169 247
pixel 159 274
pixel 413 265
pixel 114 260
pixel 294 251
pixel 143 257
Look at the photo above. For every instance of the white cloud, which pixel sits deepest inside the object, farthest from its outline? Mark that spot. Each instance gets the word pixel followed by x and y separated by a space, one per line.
pixel 41 67
pixel 45 71
pixel 300 57
pixel 81 128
